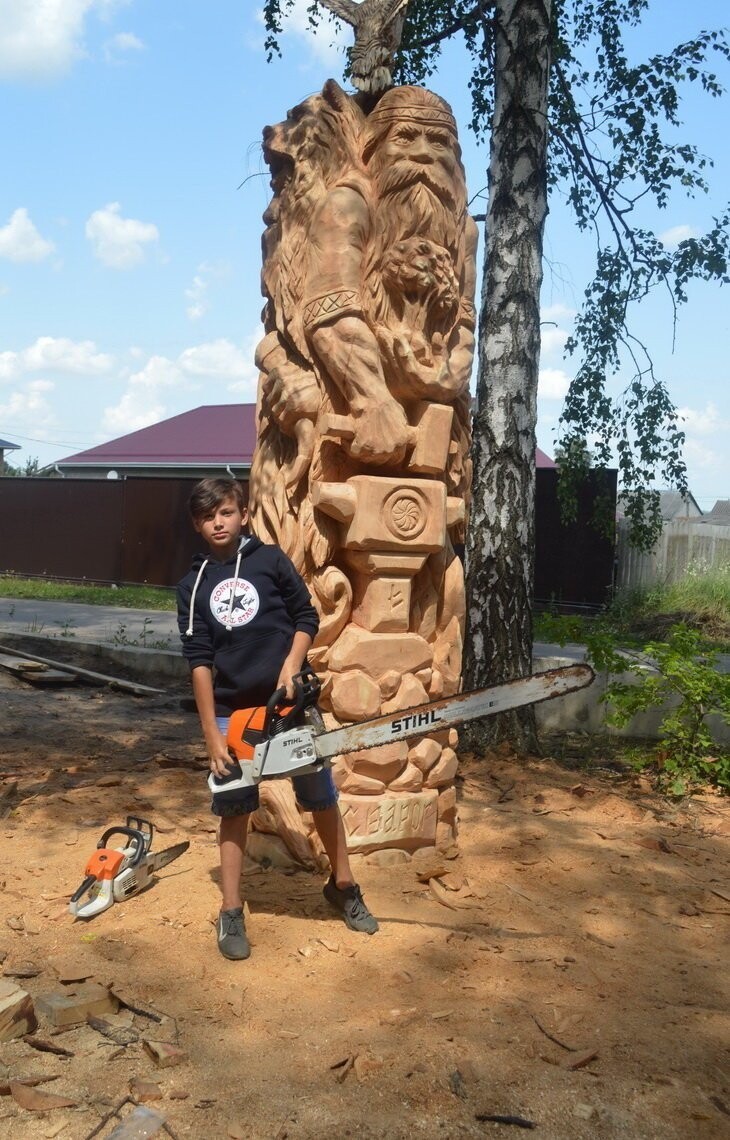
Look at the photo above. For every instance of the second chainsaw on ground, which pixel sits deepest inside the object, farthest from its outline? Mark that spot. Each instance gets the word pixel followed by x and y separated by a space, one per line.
pixel 114 874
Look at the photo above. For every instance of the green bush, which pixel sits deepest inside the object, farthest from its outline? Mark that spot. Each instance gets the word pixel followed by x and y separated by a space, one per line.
pixel 676 671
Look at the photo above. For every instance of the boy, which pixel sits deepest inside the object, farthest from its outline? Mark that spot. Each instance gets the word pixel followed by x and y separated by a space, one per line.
pixel 246 622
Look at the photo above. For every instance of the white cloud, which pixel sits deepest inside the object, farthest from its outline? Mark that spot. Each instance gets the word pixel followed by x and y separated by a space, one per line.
pixel 207 274
pixel 30 409
pixel 220 359
pixel 196 295
pixel 144 401
pixel 118 48
pixel 698 456
pixel 327 42
pixel 702 422
pixel 20 240
pixel 134 411
pixel 116 241
pixel 557 312
pixel 552 339
pixel 42 39
pixel 58 354
pixel 671 238
pixel 553 384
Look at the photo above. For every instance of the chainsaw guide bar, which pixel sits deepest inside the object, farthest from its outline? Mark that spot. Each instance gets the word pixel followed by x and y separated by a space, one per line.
pixel 273 742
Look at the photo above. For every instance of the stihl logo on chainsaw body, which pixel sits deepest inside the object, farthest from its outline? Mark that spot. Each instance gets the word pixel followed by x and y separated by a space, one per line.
pixel 419 720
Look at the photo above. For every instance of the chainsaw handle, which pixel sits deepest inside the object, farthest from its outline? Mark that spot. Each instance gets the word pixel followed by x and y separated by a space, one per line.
pixel 279 715
pixel 137 838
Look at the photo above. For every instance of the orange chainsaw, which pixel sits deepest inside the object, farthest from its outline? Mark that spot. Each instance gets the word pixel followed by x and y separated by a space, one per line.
pixel 289 738
pixel 114 874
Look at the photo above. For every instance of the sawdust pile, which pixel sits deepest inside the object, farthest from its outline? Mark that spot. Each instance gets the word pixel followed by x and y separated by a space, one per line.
pixel 566 969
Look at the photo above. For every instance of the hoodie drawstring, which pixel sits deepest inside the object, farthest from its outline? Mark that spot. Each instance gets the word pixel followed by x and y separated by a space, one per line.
pixel 233 587
pixel 201 571
pixel 189 630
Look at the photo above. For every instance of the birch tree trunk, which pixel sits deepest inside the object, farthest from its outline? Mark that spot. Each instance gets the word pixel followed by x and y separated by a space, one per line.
pixel 501 535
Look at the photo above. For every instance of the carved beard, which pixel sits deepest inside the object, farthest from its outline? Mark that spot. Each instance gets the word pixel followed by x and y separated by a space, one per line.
pixel 415 202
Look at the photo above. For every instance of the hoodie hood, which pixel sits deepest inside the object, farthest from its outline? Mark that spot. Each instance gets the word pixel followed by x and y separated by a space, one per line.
pixel 239 617
pixel 246 546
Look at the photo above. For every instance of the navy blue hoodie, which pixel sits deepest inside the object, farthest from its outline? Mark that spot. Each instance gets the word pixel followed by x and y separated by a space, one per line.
pixel 240 616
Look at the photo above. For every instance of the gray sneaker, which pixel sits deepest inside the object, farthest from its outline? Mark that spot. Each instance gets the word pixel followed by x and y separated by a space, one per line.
pixel 351 905
pixel 232 940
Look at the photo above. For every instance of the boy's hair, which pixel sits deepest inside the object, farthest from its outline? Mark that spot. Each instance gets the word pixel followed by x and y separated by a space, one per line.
pixel 208 494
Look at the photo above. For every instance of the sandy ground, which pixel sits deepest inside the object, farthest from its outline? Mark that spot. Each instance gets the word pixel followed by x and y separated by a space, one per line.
pixel 568 967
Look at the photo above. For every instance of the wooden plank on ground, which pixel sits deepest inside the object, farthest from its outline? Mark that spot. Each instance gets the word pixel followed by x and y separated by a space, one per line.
pixel 103 678
pixel 35 671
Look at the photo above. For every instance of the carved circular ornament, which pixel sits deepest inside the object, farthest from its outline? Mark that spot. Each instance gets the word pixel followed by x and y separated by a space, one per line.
pixel 405 513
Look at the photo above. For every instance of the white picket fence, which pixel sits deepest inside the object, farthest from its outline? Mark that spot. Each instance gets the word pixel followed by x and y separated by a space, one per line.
pixel 684 542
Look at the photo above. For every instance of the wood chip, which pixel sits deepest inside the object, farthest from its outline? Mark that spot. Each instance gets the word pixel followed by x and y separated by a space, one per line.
pixel 650 843
pixel 498 1118
pixel 447 898
pixel 118 1034
pixel 31 1082
pixel 165 1055
pixel 44 1046
pixel 23 970
pixel 143 1090
pixel 581 1060
pixel 343 1067
pixel 35 1100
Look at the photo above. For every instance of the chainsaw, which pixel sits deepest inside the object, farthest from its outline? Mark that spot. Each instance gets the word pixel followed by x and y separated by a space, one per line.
pixel 290 738
pixel 114 874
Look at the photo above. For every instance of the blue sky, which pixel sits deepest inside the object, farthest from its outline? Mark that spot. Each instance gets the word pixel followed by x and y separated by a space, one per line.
pixel 130 250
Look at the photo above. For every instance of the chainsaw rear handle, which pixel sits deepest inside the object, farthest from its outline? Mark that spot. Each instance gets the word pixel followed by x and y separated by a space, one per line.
pixel 138 839
pixel 280 714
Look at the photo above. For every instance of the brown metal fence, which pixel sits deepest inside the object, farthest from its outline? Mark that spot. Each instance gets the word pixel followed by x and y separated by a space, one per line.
pixel 131 530
pixel 137 530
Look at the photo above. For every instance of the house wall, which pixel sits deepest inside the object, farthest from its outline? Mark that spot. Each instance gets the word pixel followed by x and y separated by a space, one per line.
pixel 683 542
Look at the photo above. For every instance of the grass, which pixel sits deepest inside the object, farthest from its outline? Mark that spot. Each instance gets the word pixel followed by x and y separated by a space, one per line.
pixel 700 599
pixel 130 597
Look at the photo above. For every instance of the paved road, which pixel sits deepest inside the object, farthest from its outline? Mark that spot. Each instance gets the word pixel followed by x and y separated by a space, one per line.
pixel 145 629
pixel 110 625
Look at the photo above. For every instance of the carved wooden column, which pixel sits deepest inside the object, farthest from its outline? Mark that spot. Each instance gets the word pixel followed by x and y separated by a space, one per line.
pixel 362 469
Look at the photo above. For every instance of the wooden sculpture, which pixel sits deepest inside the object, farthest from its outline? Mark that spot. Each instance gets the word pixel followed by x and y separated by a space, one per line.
pixel 377 25
pixel 362 469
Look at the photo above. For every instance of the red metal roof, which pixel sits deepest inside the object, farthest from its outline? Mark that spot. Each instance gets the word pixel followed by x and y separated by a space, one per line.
pixel 213 434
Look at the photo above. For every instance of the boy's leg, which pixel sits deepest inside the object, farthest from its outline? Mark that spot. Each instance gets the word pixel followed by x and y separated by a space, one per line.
pixel 342 892
pixel 331 831
pixel 316 792
pixel 231 929
pixel 232 844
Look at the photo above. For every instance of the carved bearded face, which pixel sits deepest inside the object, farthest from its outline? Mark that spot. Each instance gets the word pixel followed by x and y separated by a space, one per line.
pixel 414 159
pixel 415 153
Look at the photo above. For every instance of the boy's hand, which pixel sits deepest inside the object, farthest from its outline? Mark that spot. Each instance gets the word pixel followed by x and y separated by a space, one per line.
pixel 285 679
pixel 218 755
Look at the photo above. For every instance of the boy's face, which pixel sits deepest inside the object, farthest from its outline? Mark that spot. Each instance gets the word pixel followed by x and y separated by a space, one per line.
pixel 221 528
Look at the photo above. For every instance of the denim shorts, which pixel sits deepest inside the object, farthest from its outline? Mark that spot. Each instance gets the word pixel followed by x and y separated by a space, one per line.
pixel 314 791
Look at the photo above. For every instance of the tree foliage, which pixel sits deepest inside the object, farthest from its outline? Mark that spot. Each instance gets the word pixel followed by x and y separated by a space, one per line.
pixel 614 152
pixel 31 469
